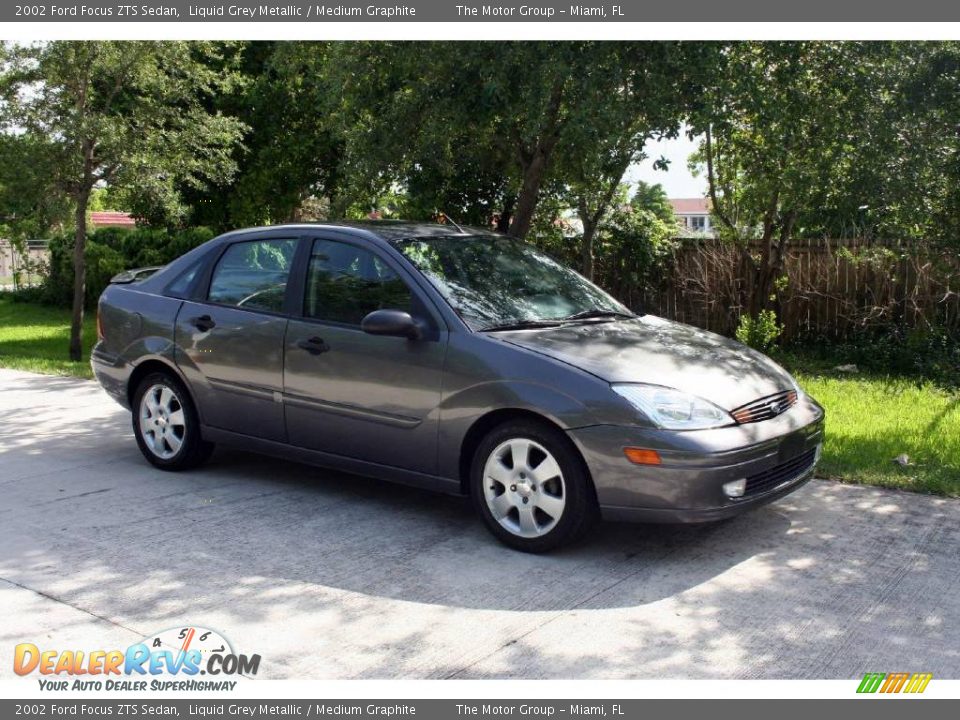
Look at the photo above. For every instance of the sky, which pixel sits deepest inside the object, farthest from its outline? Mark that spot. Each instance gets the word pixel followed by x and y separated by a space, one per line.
pixel 677 181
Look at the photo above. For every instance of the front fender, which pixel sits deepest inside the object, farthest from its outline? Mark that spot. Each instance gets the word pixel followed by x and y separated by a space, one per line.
pixel 461 410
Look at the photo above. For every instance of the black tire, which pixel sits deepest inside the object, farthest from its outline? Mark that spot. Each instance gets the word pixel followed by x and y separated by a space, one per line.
pixel 580 511
pixel 193 450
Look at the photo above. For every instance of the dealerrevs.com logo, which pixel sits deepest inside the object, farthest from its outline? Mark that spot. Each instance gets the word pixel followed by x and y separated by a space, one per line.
pixel 169 660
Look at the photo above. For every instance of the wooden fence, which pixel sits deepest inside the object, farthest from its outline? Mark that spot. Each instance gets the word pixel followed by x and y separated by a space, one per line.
pixel 833 288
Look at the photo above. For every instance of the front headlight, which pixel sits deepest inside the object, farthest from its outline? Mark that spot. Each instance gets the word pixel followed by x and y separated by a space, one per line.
pixel 673 410
pixel 796 386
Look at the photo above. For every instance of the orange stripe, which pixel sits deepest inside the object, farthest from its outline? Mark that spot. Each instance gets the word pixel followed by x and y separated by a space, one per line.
pixel 186 641
pixel 900 682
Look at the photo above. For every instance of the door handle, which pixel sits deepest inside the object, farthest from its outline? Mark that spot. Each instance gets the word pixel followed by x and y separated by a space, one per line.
pixel 203 323
pixel 314 346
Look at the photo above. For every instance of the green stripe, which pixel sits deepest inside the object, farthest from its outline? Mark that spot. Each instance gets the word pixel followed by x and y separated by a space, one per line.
pixel 871 682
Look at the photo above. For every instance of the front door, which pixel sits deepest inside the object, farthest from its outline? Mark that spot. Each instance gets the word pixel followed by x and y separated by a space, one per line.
pixel 233 339
pixel 357 395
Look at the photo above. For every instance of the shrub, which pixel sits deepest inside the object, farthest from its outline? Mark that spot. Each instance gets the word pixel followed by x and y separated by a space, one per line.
pixel 929 354
pixel 110 251
pixel 760 332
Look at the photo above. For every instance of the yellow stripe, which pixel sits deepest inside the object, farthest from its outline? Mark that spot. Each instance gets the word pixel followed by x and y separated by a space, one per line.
pixel 926 679
pixel 913 683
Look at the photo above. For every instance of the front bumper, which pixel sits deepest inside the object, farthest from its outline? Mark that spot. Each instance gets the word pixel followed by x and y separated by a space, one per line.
pixel 775 456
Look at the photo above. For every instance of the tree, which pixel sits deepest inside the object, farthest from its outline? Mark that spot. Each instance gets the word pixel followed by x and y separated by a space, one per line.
pixel 644 93
pixel 29 203
pixel 124 114
pixel 653 198
pixel 516 118
pixel 778 121
pixel 288 165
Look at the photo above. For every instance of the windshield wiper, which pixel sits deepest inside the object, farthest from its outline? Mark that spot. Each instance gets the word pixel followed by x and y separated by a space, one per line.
pixel 588 314
pixel 523 325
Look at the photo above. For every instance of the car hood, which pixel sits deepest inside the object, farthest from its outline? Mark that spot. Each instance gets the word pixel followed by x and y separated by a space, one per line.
pixel 652 350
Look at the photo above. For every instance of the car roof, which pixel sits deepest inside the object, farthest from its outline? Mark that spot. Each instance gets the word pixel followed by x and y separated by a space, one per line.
pixel 390 230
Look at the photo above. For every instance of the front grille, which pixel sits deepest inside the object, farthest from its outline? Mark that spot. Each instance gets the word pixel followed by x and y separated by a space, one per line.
pixel 765 408
pixel 779 474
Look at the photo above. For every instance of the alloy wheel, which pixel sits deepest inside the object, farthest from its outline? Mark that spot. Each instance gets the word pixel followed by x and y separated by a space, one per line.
pixel 163 423
pixel 524 489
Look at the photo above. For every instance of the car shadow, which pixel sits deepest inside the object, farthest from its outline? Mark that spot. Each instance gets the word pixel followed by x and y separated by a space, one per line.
pixel 265 521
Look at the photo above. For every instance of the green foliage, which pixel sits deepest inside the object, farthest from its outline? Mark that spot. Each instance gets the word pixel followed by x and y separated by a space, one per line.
pixel 653 198
pixel 290 157
pixel 636 244
pixel 480 129
pixel 110 251
pixel 30 204
pixel 760 332
pixel 924 355
pixel 128 114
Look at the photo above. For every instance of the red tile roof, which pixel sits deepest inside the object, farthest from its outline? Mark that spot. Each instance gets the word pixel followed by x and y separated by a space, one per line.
pixel 690 206
pixel 110 218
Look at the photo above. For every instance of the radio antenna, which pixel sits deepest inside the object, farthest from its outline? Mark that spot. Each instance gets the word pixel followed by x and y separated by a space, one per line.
pixel 453 222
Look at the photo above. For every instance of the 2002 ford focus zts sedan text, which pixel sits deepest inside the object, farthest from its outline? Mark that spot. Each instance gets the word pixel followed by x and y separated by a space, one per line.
pixel 461 361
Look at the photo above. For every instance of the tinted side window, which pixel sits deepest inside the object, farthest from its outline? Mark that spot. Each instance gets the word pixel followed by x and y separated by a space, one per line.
pixel 253 274
pixel 180 286
pixel 345 283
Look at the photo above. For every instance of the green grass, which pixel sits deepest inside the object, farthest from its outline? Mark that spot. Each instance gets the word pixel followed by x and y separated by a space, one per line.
pixel 36 338
pixel 871 420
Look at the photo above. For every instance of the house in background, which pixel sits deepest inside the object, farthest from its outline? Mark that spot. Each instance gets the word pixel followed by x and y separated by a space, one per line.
pixel 110 218
pixel 693 215
pixel 31 264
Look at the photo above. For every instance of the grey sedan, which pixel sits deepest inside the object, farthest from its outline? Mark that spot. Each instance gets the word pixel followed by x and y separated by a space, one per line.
pixel 460 361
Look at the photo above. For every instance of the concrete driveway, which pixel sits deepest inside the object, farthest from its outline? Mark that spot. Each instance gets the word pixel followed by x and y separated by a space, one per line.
pixel 327 575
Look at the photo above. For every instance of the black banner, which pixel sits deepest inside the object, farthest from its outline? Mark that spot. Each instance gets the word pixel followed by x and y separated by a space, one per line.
pixel 300 11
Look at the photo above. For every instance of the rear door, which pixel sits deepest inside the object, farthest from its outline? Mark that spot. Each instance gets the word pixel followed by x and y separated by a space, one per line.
pixel 232 333
pixel 363 396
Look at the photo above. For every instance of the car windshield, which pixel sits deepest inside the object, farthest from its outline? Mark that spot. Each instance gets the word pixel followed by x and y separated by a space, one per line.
pixel 496 281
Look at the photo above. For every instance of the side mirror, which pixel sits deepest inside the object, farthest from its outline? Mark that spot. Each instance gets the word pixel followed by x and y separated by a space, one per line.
pixel 395 323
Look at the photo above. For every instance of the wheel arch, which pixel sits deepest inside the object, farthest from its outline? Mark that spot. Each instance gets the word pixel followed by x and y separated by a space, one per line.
pixel 487 422
pixel 155 364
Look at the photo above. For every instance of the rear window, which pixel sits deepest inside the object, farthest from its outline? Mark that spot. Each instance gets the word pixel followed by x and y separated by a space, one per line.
pixel 253 274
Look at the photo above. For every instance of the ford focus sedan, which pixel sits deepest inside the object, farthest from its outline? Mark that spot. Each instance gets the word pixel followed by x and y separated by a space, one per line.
pixel 460 361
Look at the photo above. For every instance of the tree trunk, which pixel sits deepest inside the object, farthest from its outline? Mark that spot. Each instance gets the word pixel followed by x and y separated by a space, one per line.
pixel 771 264
pixel 586 249
pixel 533 173
pixel 503 222
pixel 587 241
pixel 79 277
pixel 761 272
pixel 592 220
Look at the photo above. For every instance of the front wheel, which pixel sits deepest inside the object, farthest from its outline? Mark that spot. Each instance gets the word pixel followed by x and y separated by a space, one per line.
pixel 166 424
pixel 531 487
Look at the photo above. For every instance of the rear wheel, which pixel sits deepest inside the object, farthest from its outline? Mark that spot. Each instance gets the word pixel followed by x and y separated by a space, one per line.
pixel 166 424
pixel 531 488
